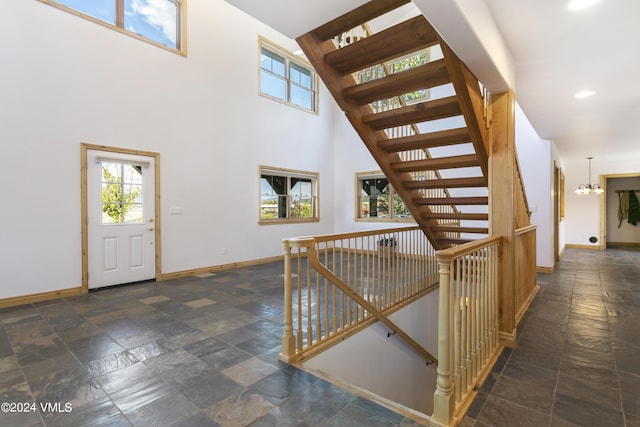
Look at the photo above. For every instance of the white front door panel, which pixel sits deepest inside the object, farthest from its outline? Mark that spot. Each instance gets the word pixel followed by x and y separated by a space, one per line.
pixel 121 213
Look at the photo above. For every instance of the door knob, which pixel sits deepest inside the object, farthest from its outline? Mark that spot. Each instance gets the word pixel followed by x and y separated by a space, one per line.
pixel 150 228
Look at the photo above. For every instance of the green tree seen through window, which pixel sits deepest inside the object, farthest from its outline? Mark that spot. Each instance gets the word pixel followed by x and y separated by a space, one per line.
pixel 116 200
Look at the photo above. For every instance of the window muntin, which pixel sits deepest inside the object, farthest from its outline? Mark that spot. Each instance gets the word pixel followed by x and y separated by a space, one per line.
pixel 122 194
pixel 159 22
pixel 288 195
pixel 285 78
pixel 377 200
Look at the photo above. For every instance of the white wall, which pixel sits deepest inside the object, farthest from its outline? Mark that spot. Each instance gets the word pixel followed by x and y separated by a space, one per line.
pixel 556 159
pixel 66 80
pixel 534 155
pixel 386 365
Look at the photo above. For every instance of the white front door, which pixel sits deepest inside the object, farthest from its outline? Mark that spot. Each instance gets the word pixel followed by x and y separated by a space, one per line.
pixel 121 218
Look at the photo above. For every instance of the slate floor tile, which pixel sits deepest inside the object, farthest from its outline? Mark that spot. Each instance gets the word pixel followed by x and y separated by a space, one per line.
pixel 162 354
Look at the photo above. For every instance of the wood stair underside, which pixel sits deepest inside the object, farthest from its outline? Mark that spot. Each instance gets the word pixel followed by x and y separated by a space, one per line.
pixel 394 130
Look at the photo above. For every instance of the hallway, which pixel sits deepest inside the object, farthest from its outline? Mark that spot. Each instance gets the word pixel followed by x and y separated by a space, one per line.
pixel 576 361
pixel 202 351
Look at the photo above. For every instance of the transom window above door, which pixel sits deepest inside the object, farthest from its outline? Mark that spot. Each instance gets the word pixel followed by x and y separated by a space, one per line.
pixel 160 22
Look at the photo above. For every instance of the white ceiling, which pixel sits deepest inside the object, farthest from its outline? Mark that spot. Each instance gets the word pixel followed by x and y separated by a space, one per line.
pixel 294 17
pixel 556 53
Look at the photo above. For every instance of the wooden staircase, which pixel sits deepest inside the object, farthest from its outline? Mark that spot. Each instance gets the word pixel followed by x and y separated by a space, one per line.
pixel 431 145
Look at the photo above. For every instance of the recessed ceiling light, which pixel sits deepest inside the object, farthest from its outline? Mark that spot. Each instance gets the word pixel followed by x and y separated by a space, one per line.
pixel 585 94
pixel 581 4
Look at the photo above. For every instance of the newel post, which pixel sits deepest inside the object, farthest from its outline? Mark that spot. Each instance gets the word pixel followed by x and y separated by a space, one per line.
pixel 443 399
pixel 502 206
pixel 288 339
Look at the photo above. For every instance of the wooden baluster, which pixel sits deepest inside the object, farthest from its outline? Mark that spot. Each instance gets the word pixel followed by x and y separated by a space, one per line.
pixel 309 309
pixel 299 335
pixel 288 339
pixel 327 325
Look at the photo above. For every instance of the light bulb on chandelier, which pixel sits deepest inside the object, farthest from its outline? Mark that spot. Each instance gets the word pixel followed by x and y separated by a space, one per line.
pixel 589 188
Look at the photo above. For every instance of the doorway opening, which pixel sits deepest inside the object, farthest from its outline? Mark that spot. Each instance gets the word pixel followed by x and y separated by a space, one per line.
pixel 613 230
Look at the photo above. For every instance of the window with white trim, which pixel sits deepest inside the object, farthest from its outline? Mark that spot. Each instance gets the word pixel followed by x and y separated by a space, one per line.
pixel 159 22
pixel 288 195
pixel 377 200
pixel 287 79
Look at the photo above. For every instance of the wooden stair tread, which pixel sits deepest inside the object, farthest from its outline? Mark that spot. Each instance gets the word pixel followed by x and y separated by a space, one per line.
pixel 425 140
pixel 401 39
pixel 441 201
pixel 479 181
pixel 357 17
pixel 452 241
pixel 457 215
pixel 425 76
pixel 335 65
pixel 421 112
pixel 468 160
pixel 454 229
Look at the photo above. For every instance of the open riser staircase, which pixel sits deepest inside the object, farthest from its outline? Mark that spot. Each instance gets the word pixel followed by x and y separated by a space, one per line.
pixel 417 108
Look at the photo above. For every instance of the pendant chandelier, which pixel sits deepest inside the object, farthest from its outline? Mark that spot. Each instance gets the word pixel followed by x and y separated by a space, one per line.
pixel 589 188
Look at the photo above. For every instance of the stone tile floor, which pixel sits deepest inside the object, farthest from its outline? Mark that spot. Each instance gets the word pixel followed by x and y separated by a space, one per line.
pixel 199 351
pixel 203 352
pixel 577 358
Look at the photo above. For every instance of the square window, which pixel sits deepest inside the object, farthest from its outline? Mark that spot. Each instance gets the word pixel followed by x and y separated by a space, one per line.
pixel 287 79
pixel 287 196
pixel 377 200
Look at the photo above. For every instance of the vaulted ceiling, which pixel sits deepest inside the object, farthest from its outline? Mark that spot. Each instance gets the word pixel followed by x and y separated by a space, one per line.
pixel 554 53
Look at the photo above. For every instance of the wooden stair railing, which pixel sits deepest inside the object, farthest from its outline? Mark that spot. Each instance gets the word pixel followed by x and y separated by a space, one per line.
pixel 420 177
pixel 366 305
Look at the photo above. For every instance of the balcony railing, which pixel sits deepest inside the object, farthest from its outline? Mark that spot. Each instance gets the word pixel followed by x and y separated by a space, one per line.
pixel 337 284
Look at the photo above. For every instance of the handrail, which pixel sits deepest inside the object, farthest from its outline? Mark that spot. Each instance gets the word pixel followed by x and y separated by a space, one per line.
pixel 525 229
pixel 315 262
pixel 350 235
pixel 521 182
pixel 466 248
